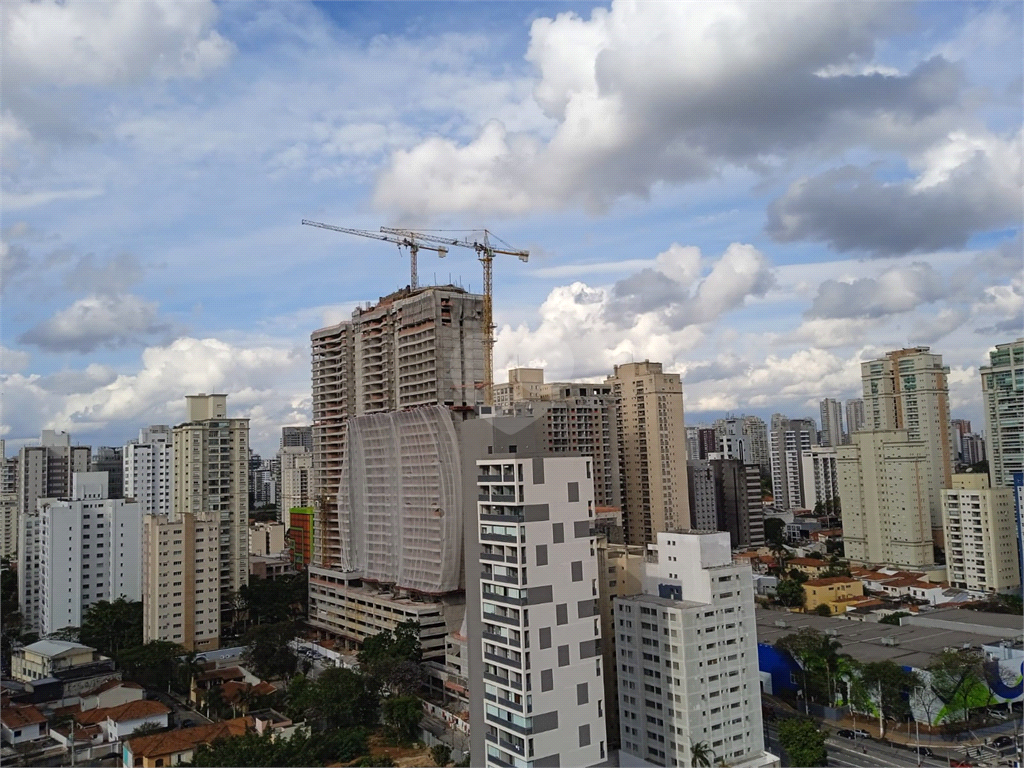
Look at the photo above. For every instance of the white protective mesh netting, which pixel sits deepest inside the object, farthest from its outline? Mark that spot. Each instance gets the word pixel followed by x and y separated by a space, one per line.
pixel 400 500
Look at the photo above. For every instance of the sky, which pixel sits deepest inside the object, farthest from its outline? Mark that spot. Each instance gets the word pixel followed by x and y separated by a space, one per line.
pixel 759 195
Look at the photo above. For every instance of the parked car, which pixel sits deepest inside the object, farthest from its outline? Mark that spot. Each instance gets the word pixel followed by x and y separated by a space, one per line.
pixel 853 733
pixel 923 751
pixel 860 733
pixel 1002 741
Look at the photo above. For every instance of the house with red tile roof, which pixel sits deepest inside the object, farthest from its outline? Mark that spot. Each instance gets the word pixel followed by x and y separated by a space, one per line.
pixel 21 722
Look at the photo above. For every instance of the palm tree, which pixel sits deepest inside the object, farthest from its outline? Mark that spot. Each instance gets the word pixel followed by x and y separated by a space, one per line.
pixel 701 754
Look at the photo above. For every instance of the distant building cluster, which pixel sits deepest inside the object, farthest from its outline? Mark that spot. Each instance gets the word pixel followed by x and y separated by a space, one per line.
pixel 582 565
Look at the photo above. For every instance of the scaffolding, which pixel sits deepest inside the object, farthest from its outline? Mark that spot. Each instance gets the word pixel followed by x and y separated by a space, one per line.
pixel 400 501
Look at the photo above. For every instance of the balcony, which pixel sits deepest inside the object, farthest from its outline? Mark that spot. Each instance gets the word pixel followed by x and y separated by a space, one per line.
pixel 513 580
pixel 499 537
pixel 504 598
pixel 497 659
pixel 500 639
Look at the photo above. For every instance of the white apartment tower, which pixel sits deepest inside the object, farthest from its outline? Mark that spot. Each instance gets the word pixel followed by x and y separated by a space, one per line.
pixel 855 421
pixel 537 694
pixel 686 651
pixel 886 519
pixel 981 535
pixel 790 439
pixel 296 464
pixel 149 470
pixel 757 438
pixel 413 348
pixel 907 389
pixel 831 422
pixel 77 551
pixel 820 476
pixel 1002 385
pixel 652 449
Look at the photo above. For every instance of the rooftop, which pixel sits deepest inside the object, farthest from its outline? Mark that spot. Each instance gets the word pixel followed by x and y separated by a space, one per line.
pixel 20 715
pixel 133 710
pixel 915 645
pixel 830 580
pixel 663 601
pixel 172 742
pixel 56 648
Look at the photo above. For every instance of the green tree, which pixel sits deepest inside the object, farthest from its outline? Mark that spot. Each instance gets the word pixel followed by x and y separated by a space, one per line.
pixel 790 593
pixel 372 761
pixel 340 698
pixel 804 742
pixel 441 754
pixel 147 728
pixel 817 655
pixel 154 664
pixel 823 610
pixel 268 653
pixel 890 685
pixel 894 618
pixel 392 659
pixel 402 715
pixel 958 678
pixel 701 754
pixel 113 627
pixel 774 530
pixel 67 634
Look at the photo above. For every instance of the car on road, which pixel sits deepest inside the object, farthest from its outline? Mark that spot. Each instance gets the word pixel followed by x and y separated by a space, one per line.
pixel 923 751
pixel 853 733
pixel 1002 741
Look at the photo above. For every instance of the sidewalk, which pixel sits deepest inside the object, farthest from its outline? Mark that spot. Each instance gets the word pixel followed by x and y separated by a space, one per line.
pixel 897 733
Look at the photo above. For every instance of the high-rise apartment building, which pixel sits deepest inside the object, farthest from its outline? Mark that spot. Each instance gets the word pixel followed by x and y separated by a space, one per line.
pixel 707 442
pixel 196 557
pixel 8 503
pixel 413 348
pixel 536 684
pixel 733 443
pixel 980 532
pixel 297 437
pixel 652 449
pixel 692 444
pixel 725 495
pixel 687 658
pixel 45 471
pixel 960 428
pixel 1002 385
pixel 1018 515
pixel 820 478
pixel 109 459
pixel 790 439
pixel 972 449
pixel 296 464
pixel 149 470
pixel 75 552
pixel 907 389
pixel 757 438
pixel 886 519
pixel 831 422
pixel 702 494
pixel 578 418
pixel 855 421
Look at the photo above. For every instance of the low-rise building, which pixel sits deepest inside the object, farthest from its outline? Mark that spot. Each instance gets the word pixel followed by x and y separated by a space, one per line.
pixel 20 723
pixel 271 566
pixel 832 591
pixel 44 658
pixel 123 720
pixel 810 565
pixel 178 746
pixel 266 539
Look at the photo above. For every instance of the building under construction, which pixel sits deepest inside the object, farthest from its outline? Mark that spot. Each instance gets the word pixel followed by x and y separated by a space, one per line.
pixel 413 348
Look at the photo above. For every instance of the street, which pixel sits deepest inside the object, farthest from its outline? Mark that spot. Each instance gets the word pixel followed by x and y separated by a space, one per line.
pixel 865 752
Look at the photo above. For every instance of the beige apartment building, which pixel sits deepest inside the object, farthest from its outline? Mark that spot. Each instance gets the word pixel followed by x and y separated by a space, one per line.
pixel 883 477
pixel 981 536
pixel 652 450
pixel 296 487
pixel 197 557
pixel 413 348
pixel 908 389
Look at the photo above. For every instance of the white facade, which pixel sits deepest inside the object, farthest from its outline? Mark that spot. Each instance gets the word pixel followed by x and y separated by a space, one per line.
pixel 820 475
pixel 854 417
pixel 149 470
pixel 790 438
pixel 980 535
pixel 296 489
pixel 79 551
pixel 1002 385
pixel 687 658
pixel 541 644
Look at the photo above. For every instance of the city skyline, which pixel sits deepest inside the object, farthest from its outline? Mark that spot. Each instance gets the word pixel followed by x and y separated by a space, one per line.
pixel 729 249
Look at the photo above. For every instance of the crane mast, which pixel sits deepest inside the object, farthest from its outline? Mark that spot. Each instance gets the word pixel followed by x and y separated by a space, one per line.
pixel 402 240
pixel 485 253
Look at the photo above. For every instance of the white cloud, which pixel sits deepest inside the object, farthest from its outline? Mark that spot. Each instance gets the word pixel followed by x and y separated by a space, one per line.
pixel 644 93
pixel 79 42
pixel 13 360
pixel 16 201
pixel 98 321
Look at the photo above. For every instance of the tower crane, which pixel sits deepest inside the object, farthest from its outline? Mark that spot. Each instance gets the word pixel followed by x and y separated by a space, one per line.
pixel 400 238
pixel 485 253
